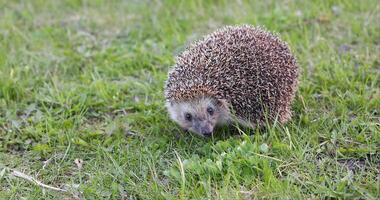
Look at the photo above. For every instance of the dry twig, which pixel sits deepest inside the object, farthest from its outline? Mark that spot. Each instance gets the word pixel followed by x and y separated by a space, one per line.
pixel 35 181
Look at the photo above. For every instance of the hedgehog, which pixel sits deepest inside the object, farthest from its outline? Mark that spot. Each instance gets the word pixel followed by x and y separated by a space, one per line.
pixel 241 74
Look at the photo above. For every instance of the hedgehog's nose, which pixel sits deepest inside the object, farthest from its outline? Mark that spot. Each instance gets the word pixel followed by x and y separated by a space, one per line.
pixel 205 129
pixel 207 134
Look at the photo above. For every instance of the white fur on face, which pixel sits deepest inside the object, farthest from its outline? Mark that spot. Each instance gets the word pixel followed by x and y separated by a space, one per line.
pixel 200 118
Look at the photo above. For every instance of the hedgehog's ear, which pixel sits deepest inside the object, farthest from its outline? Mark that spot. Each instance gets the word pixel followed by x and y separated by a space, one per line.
pixel 222 103
pixel 168 104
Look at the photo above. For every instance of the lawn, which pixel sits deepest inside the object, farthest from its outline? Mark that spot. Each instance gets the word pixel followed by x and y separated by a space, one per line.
pixel 82 106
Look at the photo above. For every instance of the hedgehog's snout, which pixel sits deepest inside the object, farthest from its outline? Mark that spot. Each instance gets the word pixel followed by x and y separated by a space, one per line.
pixel 205 128
pixel 206 133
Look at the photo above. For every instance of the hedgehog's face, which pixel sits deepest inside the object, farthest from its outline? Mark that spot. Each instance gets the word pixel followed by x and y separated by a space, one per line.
pixel 198 116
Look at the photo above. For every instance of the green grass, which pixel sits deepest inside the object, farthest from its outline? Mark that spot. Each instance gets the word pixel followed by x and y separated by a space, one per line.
pixel 84 80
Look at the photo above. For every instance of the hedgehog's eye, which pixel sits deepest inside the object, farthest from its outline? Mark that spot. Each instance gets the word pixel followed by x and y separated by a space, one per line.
pixel 210 110
pixel 188 116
